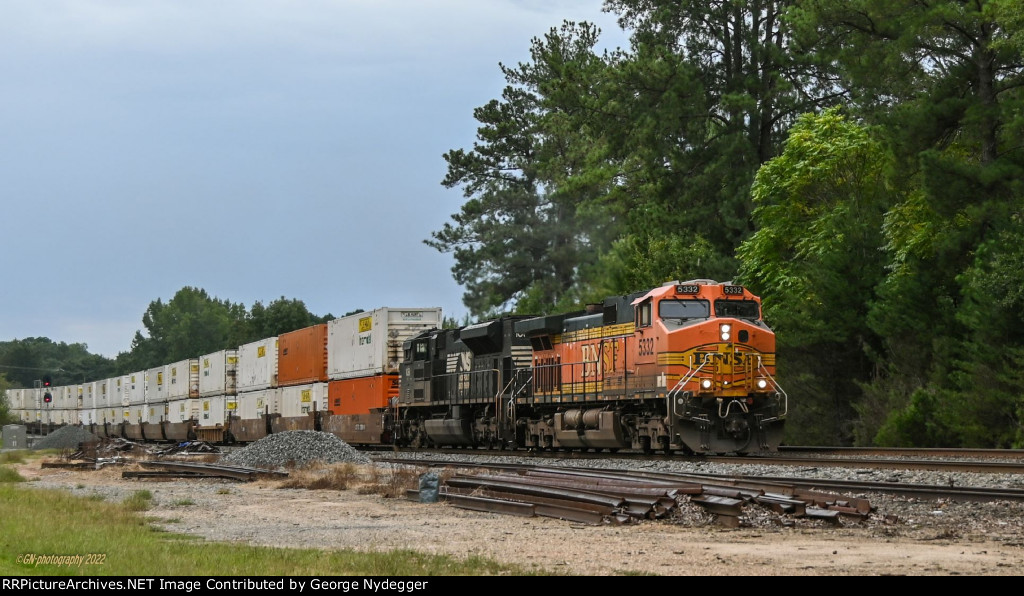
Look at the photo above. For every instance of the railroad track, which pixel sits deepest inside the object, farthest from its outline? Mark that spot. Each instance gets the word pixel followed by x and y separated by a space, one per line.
pixel 963 460
pixel 903 452
pixel 759 482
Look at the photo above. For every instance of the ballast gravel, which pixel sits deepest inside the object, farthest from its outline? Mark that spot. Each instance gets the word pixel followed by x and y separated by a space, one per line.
pixel 68 437
pixel 295 448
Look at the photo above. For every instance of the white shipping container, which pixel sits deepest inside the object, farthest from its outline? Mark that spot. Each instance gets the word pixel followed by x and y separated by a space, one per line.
pixel 179 410
pixel 111 414
pixel 370 343
pixel 136 390
pixel 155 413
pixel 137 413
pixel 299 400
pixel 217 373
pixel 58 397
pixel 213 410
pixel 118 392
pixel 88 401
pixel 18 399
pixel 253 405
pixel 103 394
pixel 156 385
pixel 257 365
pixel 183 379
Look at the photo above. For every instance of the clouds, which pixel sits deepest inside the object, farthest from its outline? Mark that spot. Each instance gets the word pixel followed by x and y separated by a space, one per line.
pixel 253 148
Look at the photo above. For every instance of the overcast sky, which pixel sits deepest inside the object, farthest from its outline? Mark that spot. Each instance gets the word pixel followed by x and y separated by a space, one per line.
pixel 252 148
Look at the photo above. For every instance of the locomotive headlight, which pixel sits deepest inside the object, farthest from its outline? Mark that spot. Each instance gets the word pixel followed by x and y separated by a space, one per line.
pixel 724 330
pixel 762 383
pixel 705 384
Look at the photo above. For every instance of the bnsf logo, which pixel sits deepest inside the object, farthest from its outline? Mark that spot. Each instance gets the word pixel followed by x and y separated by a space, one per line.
pixel 599 358
pixel 722 357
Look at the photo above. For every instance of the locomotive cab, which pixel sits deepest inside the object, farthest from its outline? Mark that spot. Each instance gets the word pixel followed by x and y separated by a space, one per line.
pixel 714 358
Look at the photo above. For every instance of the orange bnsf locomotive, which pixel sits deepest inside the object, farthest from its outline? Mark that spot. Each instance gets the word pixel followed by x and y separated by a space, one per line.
pixel 684 367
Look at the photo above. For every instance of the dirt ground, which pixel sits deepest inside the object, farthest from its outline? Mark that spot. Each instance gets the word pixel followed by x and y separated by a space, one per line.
pixel 940 543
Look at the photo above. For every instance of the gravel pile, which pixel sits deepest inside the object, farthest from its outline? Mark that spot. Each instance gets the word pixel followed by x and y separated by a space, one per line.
pixel 295 447
pixel 67 437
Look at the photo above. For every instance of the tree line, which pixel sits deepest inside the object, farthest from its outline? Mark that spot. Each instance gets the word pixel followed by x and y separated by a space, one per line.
pixel 190 324
pixel 857 163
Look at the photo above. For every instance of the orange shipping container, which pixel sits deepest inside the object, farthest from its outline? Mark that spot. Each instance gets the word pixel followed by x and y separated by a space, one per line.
pixel 302 356
pixel 359 396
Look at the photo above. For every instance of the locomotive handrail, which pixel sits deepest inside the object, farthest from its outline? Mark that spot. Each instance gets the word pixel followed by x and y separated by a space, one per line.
pixel 498 410
pixel 510 405
pixel 683 380
pixel 778 389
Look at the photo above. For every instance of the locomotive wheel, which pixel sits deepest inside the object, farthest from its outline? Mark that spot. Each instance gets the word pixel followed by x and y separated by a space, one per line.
pixel 645 445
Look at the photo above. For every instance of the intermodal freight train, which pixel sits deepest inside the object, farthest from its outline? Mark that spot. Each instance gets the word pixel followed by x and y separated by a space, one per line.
pixel 688 366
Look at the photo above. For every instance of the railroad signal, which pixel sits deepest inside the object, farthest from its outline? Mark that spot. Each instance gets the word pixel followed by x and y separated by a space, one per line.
pixel 47 382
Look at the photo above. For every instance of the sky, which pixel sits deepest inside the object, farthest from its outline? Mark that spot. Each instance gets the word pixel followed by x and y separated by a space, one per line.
pixel 256 149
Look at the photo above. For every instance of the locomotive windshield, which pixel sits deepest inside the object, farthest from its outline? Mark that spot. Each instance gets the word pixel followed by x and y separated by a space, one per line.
pixel 740 309
pixel 684 309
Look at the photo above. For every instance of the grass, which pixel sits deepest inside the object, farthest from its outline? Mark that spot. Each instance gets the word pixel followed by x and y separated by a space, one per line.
pixel 323 477
pixel 55 522
pixel 10 475
pixel 183 503
pixel 390 483
pixel 140 500
pixel 14 457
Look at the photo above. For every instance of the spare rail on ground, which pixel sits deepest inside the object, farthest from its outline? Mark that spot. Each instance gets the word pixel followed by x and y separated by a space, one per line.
pixel 209 470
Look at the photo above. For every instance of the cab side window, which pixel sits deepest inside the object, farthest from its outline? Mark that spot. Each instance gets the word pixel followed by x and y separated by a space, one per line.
pixel 643 314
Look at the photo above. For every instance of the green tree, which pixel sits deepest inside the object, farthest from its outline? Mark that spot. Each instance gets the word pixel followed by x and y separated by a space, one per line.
pixel 277 317
pixel 816 263
pixel 190 324
pixel 708 91
pixel 27 360
pixel 943 79
pixel 520 235
pixel 592 166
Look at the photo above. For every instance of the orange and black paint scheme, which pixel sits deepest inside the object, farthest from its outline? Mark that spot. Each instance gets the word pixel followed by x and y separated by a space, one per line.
pixel 688 366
